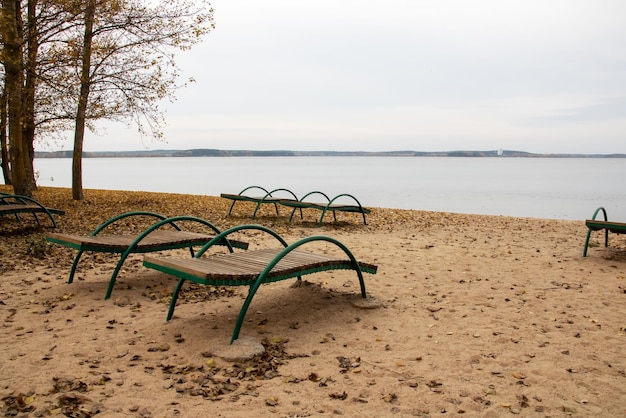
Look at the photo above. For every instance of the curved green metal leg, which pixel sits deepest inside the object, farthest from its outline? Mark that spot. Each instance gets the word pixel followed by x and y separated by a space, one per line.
pixel 244 309
pixel 587 243
pixel 322 217
pixel 118 267
pixel 54 224
pixel 231 207
pixel 293 212
pixel 74 264
pixel 170 311
pixel 258 206
pixel 606 231
pixel 37 219
pixel 324 213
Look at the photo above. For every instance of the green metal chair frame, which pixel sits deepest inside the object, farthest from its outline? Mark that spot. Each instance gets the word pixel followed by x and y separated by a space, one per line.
pixel 267 198
pixel 270 273
pixel 13 204
pixel 138 242
pixel 598 225
pixel 325 207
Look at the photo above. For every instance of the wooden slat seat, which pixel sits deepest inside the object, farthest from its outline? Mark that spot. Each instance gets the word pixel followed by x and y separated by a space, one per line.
pixel 253 199
pixel 321 206
pixel 253 268
pixel 244 268
pixel 155 241
pixel 21 208
pixel 151 239
pixel 614 227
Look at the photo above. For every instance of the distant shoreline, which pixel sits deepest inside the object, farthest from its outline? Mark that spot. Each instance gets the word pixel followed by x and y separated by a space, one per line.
pixel 205 152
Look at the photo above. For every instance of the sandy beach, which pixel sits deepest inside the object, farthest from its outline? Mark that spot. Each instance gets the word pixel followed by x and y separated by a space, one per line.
pixel 480 316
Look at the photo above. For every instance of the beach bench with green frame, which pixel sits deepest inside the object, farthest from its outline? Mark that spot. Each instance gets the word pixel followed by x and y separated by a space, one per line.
pixel 164 234
pixel 13 204
pixel 255 267
pixel 331 205
pixel 594 224
pixel 267 197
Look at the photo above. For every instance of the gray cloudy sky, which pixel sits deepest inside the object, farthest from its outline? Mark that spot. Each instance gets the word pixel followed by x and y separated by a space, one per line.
pixel 437 75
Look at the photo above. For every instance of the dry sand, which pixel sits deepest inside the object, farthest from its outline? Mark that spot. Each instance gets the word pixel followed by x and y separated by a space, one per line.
pixel 481 316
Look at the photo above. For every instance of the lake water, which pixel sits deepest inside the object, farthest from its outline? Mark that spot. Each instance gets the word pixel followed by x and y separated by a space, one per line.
pixel 554 188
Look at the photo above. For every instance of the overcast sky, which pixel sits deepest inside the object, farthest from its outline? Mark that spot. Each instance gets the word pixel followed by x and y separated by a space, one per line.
pixel 540 76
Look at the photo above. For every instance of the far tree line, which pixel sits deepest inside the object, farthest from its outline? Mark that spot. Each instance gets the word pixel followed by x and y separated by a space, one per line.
pixel 67 64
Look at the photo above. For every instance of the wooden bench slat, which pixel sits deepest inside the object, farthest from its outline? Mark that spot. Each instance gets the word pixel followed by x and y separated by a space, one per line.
pixel 15 208
pixel 154 241
pixel 244 266
pixel 616 227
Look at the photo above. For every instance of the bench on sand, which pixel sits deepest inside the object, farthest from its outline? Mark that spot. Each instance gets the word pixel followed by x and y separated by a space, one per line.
pixel 13 204
pixel 331 205
pixel 334 205
pixel 265 198
pixel 253 268
pixel 598 225
pixel 164 234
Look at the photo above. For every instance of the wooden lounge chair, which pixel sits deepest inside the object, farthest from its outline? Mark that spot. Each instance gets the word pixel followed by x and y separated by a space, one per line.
pixel 252 268
pixel 12 204
pixel 266 198
pixel 598 225
pixel 330 205
pixel 165 234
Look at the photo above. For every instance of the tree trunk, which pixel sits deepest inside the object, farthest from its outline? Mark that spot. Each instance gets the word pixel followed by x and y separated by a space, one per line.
pixel 30 86
pixel 4 148
pixel 14 65
pixel 83 100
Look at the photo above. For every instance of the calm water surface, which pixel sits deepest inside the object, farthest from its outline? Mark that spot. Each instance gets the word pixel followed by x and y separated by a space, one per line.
pixel 556 188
